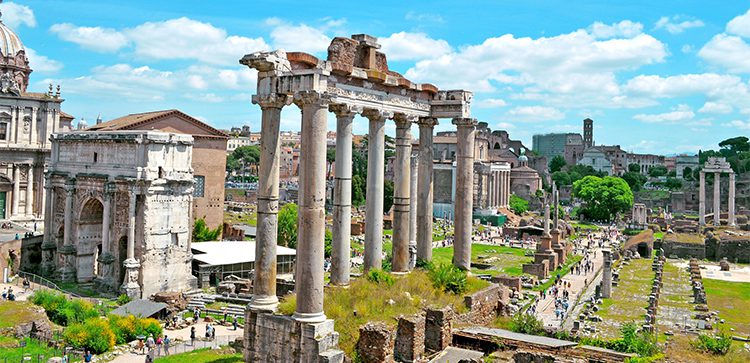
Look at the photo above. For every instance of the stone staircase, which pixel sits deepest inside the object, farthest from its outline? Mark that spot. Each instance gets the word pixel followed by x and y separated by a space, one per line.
pixel 200 302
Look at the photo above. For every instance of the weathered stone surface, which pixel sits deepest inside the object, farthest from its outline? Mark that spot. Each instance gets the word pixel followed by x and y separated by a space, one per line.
pixel 375 344
pixel 410 338
pixel 482 305
pixel 438 324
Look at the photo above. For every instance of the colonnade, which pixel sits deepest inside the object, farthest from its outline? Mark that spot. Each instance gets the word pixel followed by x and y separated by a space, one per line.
pixel 499 187
pixel 309 280
pixel 717 197
pixel 16 212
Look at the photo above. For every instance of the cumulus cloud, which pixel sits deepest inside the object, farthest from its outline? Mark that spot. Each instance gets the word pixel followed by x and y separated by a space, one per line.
pixel 93 38
pixel 740 25
pixel 490 103
pixel 681 113
pixel 715 107
pixel 624 29
pixel 413 46
pixel 742 125
pixel 42 64
pixel 677 24
pixel 300 37
pixel 14 15
pixel 680 85
pixel 728 51
pixel 535 113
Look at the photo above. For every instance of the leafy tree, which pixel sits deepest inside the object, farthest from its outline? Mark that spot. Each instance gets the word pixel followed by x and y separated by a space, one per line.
pixel 287 226
pixel 232 163
pixel 387 195
pixel 202 233
pixel 672 174
pixel 328 247
pixel 561 178
pixel 635 180
pixel 603 197
pixel 358 190
pixel 330 159
pixel 526 324
pixel 247 155
pixel 657 171
pixel 687 173
pixel 735 144
pixel 634 168
pixel 518 205
pixel 557 163
pixel 673 183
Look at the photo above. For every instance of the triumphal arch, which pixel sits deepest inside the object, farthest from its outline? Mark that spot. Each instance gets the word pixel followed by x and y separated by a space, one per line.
pixel 119 216
pixel 353 80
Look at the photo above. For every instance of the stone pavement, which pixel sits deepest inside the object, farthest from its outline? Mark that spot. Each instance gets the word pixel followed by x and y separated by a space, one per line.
pixel 578 285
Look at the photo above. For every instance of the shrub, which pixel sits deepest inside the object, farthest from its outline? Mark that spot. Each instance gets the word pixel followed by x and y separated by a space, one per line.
pixel 718 345
pixel 123 299
pixel 379 276
pixel 518 205
pixel 126 329
pixel 94 335
pixel 526 324
pixel 448 278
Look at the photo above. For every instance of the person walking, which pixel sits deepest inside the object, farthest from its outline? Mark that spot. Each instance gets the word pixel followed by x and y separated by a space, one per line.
pixel 192 336
pixel 166 345
pixel 234 322
pixel 159 343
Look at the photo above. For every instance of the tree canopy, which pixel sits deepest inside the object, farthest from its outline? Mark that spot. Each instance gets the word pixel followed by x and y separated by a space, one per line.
pixel 635 180
pixel 518 205
pixel 201 232
pixel 248 155
pixel 634 168
pixel 287 226
pixel 557 163
pixel 657 171
pixel 603 198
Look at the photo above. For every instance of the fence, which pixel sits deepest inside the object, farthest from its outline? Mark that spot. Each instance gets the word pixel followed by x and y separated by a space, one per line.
pixel 39 351
pixel 41 281
pixel 183 347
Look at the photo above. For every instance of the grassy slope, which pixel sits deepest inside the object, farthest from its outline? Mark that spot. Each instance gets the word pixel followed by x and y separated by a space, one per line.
pixel 628 299
pixel 13 313
pixel 732 300
pixel 203 356
pixel 10 350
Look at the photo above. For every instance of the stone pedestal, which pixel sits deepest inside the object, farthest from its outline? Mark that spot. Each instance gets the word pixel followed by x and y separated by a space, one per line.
pixel 130 286
pixel 48 258
pixel 67 272
pixel 105 281
pixel 558 246
pixel 410 338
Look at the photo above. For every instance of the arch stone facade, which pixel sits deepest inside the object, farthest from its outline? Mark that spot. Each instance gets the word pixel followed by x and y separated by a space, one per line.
pixel 113 188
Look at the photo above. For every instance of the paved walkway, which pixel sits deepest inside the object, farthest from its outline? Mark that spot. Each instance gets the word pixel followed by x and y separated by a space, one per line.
pixel 545 310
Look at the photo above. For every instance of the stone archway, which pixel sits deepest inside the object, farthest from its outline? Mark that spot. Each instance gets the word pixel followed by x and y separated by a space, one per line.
pixel 89 238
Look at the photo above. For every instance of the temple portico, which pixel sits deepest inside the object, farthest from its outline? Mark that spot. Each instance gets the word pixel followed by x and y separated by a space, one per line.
pixel 354 80
pixel 717 166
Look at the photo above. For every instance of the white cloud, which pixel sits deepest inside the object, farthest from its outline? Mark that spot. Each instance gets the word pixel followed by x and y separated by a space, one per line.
pixel 490 103
pixel 535 113
pixel 677 24
pixel 14 15
pixel 740 25
pixel 715 107
pixel 687 48
pixel 423 17
pixel 504 126
pixel 300 37
pixel 728 51
pixel 412 46
pixel 682 113
pixel 42 64
pixel 680 85
pixel 623 29
pixel 204 97
pixel 93 38
pixel 742 125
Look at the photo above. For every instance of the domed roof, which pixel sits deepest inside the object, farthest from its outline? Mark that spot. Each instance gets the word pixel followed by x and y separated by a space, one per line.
pixel 10 43
pixel 523 157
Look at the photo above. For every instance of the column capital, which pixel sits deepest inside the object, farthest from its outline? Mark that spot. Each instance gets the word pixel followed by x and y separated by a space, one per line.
pixel 344 110
pixel 272 100
pixel 404 120
pixel 303 98
pixel 374 114
pixel 109 188
pixel 427 121
pixel 465 122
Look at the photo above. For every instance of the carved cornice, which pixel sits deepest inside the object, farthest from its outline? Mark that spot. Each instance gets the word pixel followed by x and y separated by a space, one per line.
pixel 345 110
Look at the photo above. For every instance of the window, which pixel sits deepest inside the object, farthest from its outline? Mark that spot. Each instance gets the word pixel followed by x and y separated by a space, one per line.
pixel 96 156
pixel 3 130
pixel 199 188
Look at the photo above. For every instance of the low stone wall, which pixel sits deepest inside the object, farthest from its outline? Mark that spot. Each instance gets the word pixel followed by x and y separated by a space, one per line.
pixel 512 282
pixel 735 250
pixel 482 305
pixel 375 344
pixel 684 249
pixel 410 338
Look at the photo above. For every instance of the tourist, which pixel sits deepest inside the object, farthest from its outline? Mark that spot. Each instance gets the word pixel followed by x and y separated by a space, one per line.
pixel 225 315
pixel 166 345
pixel 5 293
pixel 234 322
pixel 208 331
pixel 65 358
pixel 192 336
pixel 159 342
pixel 150 343
pixel 87 357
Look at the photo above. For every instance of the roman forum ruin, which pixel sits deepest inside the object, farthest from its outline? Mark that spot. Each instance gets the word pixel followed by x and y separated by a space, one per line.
pixel 354 79
pixel 717 166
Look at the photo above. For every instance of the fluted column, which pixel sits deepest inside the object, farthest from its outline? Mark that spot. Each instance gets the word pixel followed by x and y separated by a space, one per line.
pixel 30 191
pixel 342 195
pixel 309 274
pixel 130 285
pixel 68 251
pixel 374 195
pixel 424 192
pixel 48 245
pixel 702 199
pixel 401 193
pixel 264 278
pixel 717 198
pixel 16 190
pixel 732 221
pixel 106 258
pixel 464 196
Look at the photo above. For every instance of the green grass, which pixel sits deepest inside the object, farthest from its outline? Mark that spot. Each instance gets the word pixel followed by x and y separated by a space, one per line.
pixel 13 313
pixel 367 301
pixel 685 238
pixel 203 356
pixel 629 298
pixel 506 260
pixel 10 351
pixel 659 235
pixel 732 300
pixel 250 219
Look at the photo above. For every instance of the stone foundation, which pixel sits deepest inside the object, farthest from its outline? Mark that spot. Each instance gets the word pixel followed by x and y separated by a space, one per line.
pixel 279 338
pixel 375 344
pixel 512 282
pixel 438 324
pixel 540 270
pixel 410 338
pixel 482 306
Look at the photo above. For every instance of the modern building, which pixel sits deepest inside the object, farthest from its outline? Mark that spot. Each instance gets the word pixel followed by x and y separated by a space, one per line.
pixel 27 119
pixel 209 155
pixel 214 261
pixel 551 145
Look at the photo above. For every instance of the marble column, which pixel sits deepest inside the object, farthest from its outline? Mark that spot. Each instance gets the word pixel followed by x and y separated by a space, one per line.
pixel 732 221
pixel 48 245
pixel 702 199
pixel 717 198
pixel 32 127
pixel 68 251
pixel 342 195
pixel 264 279
pixel 16 190
pixel 130 285
pixel 413 176
pixel 491 194
pixel 374 194
pixel 30 191
pixel 106 258
pixel 424 189
pixel 309 274
pixel 401 193
pixel 464 197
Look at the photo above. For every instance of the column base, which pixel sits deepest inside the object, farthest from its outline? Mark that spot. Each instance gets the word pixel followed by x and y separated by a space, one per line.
pixel 130 286
pixel 105 282
pixel 412 254
pixel 309 317
pixel 264 303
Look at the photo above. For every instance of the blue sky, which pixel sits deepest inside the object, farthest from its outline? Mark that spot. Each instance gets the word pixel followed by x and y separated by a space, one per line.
pixel 656 76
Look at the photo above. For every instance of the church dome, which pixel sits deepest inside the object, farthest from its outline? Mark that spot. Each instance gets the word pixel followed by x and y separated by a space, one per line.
pixel 10 43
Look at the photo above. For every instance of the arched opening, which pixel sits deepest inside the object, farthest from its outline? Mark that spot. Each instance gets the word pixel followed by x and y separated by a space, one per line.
pixel 497 146
pixel 89 239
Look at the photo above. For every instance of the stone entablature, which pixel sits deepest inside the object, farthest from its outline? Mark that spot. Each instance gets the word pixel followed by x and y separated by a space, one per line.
pixel 120 211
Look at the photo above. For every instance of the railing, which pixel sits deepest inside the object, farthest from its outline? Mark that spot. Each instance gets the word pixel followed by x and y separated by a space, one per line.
pixel 41 281
pixel 188 346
